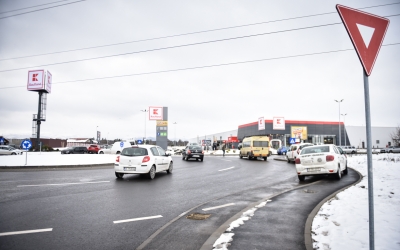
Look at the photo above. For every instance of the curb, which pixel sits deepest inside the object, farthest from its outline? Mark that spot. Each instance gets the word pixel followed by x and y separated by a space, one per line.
pixel 47 167
pixel 308 226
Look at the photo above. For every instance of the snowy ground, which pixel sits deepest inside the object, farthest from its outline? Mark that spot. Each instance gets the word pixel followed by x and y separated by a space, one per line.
pixel 341 223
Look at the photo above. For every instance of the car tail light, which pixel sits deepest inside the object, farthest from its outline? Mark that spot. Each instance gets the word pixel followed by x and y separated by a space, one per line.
pixel 117 160
pixel 297 161
pixel 330 158
pixel 189 152
pixel 146 159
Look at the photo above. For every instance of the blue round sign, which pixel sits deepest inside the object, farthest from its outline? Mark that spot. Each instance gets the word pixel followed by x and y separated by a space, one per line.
pixel 121 144
pixel 26 144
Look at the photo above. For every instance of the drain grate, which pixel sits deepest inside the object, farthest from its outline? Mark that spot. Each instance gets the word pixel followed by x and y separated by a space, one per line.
pixel 197 216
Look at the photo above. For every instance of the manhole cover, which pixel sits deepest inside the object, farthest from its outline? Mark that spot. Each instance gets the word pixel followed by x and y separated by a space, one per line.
pixel 197 216
pixel 309 191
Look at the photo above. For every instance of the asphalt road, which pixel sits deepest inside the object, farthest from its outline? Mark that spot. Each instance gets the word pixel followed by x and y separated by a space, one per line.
pixel 91 209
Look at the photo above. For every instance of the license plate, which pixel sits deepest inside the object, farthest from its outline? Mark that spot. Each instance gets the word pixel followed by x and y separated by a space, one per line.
pixel 313 169
pixel 195 156
pixel 129 169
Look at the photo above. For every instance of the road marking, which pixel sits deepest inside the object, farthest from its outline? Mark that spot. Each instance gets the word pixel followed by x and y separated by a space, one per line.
pixel 27 232
pixel 226 169
pixel 63 184
pixel 212 208
pixel 138 219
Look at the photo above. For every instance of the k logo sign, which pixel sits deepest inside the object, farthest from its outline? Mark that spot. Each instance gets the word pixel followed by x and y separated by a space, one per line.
pixel 156 113
pixel 279 123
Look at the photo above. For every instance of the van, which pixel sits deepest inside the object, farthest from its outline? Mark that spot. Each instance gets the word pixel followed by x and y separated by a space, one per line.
pixel 255 146
pixel 117 147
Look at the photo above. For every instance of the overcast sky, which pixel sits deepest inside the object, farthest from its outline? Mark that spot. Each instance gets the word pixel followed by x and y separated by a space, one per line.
pixel 201 100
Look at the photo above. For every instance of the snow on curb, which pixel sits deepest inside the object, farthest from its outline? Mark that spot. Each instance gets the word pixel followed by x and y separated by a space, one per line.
pixel 224 240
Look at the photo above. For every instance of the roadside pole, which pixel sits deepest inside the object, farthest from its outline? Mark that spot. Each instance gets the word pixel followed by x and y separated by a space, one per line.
pixel 369 162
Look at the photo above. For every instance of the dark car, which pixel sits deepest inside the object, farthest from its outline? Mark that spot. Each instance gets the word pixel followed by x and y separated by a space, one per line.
pixel 282 150
pixel 93 149
pixel 193 152
pixel 75 150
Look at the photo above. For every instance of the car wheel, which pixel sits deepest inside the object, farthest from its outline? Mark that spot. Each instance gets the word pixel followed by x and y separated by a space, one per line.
pixel 119 175
pixel 338 174
pixel 265 158
pixel 353 152
pixel 183 157
pixel 201 159
pixel 287 158
pixel 240 156
pixel 390 151
pixel 186 158
pixel 249 157
pixel 101 152
pixel 13 153
pixel 152 173
pixel 301 177
pixel 118 152
pixel 171 167
pixel 345 171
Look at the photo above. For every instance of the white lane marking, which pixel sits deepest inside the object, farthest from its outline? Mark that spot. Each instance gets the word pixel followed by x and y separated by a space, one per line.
pixel 138 219
pixel 27 232
pixel 226 169
pixel 212 208
pixel 63 184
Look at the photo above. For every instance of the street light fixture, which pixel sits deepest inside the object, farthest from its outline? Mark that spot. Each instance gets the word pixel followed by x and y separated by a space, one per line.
pixel 340 141
pixel 175 132
pixel 344 122
pixel 145 111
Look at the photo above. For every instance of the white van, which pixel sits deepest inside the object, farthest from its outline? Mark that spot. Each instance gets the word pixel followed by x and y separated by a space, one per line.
pixel 117 147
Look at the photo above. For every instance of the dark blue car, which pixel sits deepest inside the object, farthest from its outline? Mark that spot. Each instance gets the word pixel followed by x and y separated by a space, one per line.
pixel 282 150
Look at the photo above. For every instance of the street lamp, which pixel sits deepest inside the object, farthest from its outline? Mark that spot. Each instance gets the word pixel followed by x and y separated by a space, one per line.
pixel 175 132
pixel 344 121
pixel 145 111
pixel 340 141
pixel 97 128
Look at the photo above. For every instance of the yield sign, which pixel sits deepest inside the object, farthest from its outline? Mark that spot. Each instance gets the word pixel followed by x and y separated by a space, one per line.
pixel 366 32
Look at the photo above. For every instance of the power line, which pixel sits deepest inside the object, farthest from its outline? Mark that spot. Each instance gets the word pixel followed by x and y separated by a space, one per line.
pixel 176 46
pixel 23 13
pixel 205 66
pixel 32 7
pixel 185 34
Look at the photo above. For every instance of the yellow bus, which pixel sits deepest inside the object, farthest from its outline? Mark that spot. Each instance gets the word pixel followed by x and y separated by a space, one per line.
pixel 255 146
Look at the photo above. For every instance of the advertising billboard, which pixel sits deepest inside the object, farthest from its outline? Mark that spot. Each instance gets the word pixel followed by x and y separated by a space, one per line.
pixel 39 80
pixel 278 123
pixel 155 113
pixel 261 123
pixel 299 132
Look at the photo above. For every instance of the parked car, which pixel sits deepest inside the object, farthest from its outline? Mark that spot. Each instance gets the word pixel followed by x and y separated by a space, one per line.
pixel 143 159
pixel 7 150
pixel 117 147
pixel 75 150
pixel 392 149
pixel 348 149
pixel 282 150
pixel 193 152
pixel 93 149
pixel 295 150
pixel 321 160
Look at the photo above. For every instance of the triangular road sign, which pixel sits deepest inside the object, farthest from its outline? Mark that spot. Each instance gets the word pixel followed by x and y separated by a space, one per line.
pixel 366 32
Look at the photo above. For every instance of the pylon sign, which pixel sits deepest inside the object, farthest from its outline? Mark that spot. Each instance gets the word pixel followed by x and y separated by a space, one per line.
pixel 366 32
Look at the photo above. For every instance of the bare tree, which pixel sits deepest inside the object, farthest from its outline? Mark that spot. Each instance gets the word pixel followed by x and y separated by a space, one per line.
pixel 396 136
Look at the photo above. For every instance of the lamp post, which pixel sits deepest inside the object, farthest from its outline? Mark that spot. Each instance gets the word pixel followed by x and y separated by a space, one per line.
pixel 340 140
pixel 97 128
pixel 344 122
pixel 145 111
pixel 175 132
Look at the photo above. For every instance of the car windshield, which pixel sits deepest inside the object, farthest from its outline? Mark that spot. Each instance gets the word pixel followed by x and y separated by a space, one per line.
pixel 134 152
pixel 313 150
pixel 195 148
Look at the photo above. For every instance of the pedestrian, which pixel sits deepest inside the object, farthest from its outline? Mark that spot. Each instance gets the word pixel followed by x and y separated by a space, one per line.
pixel 223 150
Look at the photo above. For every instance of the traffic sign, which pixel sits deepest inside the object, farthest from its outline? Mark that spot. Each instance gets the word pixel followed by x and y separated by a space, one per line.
pixel 26 144
pixel 292 140
pixel 121 144
pixel 1 140
pixel 366 32
pixel 139 141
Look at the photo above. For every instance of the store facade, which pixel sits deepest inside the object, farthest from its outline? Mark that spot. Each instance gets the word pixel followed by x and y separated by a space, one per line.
pixel 316 132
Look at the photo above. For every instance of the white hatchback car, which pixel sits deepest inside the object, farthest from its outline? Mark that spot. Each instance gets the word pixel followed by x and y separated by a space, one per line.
pixel 143 159
pixel 321 160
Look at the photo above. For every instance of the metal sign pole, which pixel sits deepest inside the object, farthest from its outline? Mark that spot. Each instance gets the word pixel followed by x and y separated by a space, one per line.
pixel 369 160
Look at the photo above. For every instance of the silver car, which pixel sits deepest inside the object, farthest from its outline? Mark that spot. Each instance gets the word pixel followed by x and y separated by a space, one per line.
pixel 7 150
pixel 392 149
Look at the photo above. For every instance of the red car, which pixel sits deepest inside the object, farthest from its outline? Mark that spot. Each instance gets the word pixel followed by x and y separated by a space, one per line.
pixel 93 149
